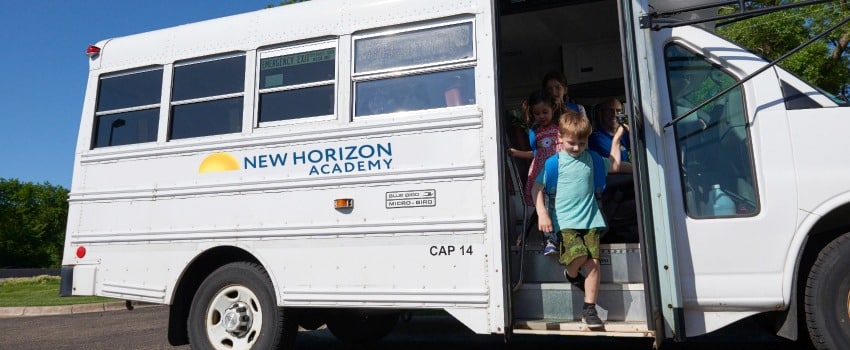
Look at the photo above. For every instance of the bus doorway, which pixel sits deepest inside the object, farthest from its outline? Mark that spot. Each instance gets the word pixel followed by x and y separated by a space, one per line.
pixel 581 41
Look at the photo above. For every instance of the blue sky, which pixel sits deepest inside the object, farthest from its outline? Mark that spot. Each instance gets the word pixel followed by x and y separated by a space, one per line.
pixel 44 70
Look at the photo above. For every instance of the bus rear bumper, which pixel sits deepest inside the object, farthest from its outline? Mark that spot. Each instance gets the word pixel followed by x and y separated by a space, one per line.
pixel 66 276
pixel 77 280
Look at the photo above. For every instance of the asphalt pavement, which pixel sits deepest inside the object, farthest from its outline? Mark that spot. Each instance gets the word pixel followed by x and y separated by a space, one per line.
pixel 146 328
pixel 450 331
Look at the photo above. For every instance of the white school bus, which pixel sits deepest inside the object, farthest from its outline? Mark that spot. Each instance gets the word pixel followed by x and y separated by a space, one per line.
pixel 339 163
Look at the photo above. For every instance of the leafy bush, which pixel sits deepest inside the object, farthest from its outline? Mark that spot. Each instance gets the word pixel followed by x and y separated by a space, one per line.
pixel 32 224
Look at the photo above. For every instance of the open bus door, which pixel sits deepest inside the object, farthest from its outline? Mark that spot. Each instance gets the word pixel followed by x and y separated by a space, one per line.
pixel 715 161
pixel 702 213
pixel 536 37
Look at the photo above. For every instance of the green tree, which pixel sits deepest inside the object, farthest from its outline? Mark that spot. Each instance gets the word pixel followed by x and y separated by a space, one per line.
pixel 32 223
pixel 826 63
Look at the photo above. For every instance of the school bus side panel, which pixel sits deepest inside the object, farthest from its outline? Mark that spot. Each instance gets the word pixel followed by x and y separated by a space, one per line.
pixel 422 229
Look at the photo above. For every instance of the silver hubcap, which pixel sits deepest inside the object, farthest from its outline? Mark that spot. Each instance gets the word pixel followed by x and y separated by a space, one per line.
pixel 237 319
pixel 234 318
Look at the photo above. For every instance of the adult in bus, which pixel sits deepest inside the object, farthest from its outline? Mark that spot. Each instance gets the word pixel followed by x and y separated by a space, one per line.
pixel 608 115
pixel 555 83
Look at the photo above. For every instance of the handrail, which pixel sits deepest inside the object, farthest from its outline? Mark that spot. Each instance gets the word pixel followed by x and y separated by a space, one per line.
pixel 523 235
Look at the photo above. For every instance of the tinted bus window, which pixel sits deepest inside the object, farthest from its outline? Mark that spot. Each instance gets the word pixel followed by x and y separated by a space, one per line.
pixel 127 108
pixel 126 128
pixel 130 90
pixel 294 104
pixel 207 98
pixel 206 118
pixel 210 78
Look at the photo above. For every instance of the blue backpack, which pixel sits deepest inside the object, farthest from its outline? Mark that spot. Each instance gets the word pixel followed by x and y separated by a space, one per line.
pixel 599 172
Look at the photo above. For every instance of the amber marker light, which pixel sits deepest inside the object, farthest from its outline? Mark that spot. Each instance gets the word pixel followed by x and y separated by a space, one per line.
pixel 343 203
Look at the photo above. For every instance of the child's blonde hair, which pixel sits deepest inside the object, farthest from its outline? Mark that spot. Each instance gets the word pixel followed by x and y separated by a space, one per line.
pixel 574 124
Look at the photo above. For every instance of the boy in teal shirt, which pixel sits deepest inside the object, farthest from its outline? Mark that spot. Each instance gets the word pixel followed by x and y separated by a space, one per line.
pixel 573 211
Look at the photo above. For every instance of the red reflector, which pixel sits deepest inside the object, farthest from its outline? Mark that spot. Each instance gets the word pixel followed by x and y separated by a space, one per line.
pixel 92 51
pixel 81 252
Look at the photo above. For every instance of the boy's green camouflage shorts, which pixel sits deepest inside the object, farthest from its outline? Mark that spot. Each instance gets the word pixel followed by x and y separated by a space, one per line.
pixel 578 243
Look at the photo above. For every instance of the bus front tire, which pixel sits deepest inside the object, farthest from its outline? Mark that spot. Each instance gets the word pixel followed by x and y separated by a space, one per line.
pixel 827 296
pixel 235 308
pixel 358 328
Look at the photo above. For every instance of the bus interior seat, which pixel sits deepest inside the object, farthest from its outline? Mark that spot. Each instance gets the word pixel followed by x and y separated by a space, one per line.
pixel 619 207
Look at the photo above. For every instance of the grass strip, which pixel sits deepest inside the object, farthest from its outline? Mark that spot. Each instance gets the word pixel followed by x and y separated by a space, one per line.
pixel 39 291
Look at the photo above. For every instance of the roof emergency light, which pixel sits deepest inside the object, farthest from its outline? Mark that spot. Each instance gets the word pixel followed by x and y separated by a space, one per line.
pixel 92 51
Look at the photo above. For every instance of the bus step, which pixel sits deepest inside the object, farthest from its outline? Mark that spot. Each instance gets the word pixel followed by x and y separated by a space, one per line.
pixel 562 301
pixel 619 263
pixel 571 327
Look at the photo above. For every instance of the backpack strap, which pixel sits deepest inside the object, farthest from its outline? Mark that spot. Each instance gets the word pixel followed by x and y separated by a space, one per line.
pixel 532 141
pixel 599 172
pixel 550 167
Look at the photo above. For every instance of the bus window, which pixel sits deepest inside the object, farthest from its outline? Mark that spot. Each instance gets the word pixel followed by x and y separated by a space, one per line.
pixel 715 153
pixel 419 69
pixel 128 108
pixel 296 83
pixel 207 97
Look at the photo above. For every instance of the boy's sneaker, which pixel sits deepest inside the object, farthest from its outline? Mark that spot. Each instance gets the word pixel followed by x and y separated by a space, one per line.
pixel 550 249
pixel 577 281
pixel 591 318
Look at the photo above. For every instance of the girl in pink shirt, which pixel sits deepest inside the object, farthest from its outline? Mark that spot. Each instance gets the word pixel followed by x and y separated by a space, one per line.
pixel 539 111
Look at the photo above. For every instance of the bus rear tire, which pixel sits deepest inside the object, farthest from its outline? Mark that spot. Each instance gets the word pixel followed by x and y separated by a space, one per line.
pixel 827 296
pixel 235 308
pixel 361 328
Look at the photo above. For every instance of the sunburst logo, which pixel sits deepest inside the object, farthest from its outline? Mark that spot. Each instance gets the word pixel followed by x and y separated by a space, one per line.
pixel 221 161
